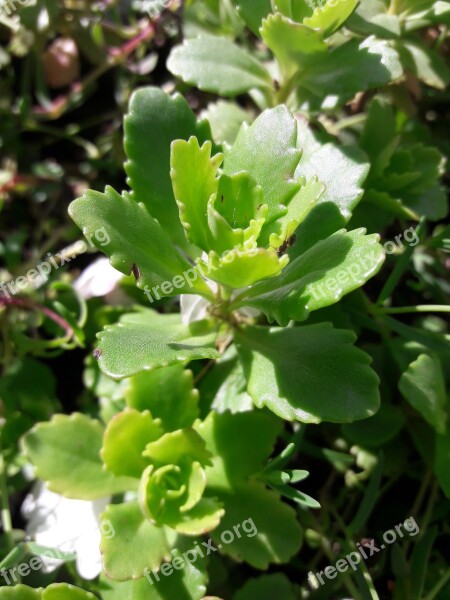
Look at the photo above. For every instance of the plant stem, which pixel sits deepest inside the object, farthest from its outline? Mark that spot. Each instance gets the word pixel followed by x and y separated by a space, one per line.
pixel 400 267
pixel 421 494
pixel 439 585
pixel 326 549
pixel 5 510
pixel 362 566
pixel 420 308
pixel 27 305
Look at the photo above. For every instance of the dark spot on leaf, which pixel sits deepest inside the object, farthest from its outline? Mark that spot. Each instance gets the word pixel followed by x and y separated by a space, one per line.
pixel 136 272
pixel 97 353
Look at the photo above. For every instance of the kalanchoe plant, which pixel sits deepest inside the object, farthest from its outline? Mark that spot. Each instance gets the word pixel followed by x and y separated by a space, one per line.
pixel 402 22
pixel 404 178
pixel 312 70
pixel 196 216
pixel 187 482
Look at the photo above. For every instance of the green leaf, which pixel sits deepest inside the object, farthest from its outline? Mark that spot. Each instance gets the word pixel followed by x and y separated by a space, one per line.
pixel 298 209
pixel 226 119
pixel 343 171
pixel 215 64
pixel 152 263
pixel 132 430
pixel 252 12
pixel 186 581
pixel 267 151
pixel 297 10
pixel 320 277
pixel 152 341
pixel 370 17
pixel 266 587
pixel 240 268
pixel 194 178
pixel 420 560
pixel 172 486
pixel 172 447
pixel 153 121
pixel 348 69
pixel 64 591
pixel 20 592
pixel 331 16
pixel 379 142
pixel 370 497
pixel 423 386
pixel 66 454
pixel 56 591
pixel 309 374
pixel 293 494
pixel 442 460
pixel 236 213
pixel 224 387
pixel 425 64
pixel 378 430
pixel 432 13
pixel 293 44
pixel 239 200
pixel 274 535
pixel 234 460
pixel 27 390
pixel 167 393
pixel 137 547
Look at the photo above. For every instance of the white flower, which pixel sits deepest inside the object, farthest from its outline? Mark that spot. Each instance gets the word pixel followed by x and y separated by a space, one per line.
pixel 66 525
pixel 98 279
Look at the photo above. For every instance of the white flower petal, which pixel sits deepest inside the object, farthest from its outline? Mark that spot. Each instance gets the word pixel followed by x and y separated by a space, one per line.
pixel 99 279
pixel 66 525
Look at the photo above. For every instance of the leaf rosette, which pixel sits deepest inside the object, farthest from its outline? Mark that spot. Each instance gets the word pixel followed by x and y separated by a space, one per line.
pixel 170 467
pixel 172 486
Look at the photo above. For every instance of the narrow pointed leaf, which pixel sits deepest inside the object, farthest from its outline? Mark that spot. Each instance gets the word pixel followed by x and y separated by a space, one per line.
pixel 193 172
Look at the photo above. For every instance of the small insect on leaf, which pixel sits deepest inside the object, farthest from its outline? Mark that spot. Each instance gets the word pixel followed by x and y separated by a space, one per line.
pixel 286 244
pixel 97 353
pixel 135 271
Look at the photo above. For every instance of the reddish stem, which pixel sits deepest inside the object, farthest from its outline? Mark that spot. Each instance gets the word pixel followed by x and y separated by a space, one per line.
pixel 25 304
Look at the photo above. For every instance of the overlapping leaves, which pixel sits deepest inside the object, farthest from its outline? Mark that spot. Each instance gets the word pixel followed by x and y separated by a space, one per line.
pixel 242 209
